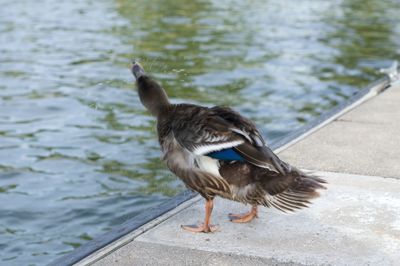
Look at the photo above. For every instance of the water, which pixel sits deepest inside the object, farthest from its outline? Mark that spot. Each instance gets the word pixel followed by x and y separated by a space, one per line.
pixel 78 153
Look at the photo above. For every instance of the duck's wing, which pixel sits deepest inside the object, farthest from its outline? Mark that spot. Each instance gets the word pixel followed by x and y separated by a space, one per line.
pixel 205 130
pixel 254 149
pixel 202 131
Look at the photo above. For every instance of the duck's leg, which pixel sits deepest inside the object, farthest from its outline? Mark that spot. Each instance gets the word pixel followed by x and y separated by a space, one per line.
pixel 244 218
pixel 206 227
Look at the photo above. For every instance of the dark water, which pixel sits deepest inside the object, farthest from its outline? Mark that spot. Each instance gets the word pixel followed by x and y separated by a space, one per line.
pixel 78 153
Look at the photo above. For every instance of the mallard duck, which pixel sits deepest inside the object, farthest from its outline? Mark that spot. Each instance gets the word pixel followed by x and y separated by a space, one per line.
pixel 218 152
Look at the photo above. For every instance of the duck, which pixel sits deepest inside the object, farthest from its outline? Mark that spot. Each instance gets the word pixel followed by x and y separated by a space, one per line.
pixel 217 152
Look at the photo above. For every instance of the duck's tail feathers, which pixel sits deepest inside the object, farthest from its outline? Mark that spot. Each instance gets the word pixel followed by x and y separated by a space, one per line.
pixel 302 188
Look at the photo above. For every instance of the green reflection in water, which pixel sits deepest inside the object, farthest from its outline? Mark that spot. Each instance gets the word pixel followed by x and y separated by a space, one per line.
pixel 5 189
pixel 362 33
pixel 180 41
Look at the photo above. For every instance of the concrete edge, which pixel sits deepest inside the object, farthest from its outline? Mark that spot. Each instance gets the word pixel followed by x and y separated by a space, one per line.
pixel 121 235
pixel 124 229
pixel 126 239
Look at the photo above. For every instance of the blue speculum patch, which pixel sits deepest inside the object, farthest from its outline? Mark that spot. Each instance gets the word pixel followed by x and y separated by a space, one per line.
pixel 226 155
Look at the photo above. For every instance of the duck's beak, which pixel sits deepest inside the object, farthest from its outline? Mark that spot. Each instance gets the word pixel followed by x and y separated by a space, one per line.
pixel 137 69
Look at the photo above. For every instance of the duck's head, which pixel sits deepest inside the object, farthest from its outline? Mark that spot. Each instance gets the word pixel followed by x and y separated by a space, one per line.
pixel 151 94
pixel 137 69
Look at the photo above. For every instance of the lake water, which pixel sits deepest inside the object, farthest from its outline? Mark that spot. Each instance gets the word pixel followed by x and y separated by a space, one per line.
pixel 78 152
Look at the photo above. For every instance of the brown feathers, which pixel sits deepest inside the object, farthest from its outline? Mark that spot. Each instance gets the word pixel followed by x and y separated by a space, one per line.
pixel 256 185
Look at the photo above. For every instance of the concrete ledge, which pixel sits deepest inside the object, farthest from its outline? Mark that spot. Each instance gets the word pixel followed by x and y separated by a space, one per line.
pixel 125 232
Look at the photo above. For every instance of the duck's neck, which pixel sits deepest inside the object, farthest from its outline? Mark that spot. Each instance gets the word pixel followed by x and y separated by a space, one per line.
pixel 152 96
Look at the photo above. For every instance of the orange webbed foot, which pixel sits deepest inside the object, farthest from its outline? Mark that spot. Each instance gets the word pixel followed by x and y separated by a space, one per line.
pixel 244 218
